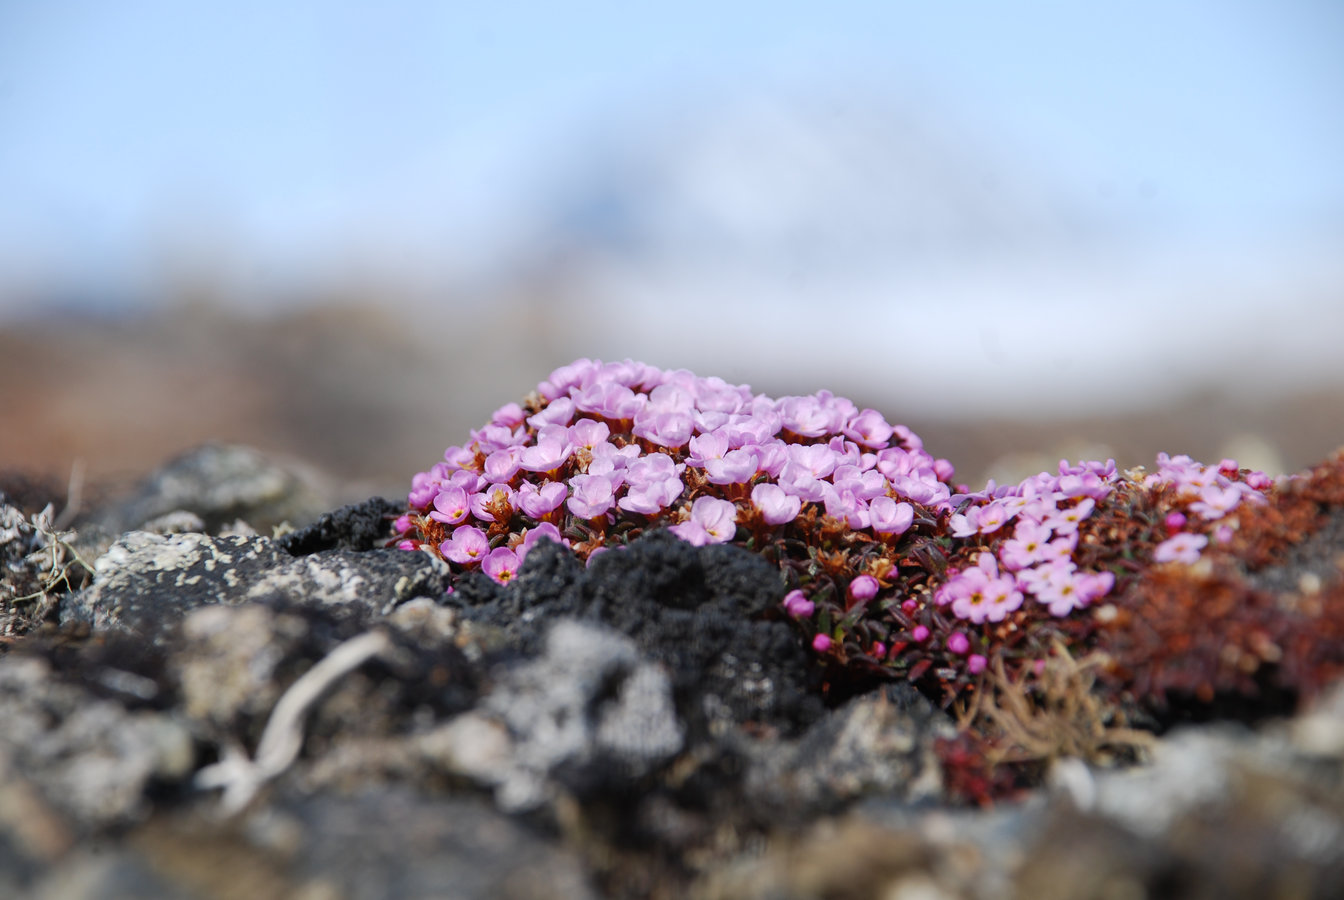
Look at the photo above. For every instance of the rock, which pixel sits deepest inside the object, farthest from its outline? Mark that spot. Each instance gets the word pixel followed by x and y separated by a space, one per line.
pixel 706 613
pixel 145 582
pixel 220 484
pixel 878 744
pixel 89 758
pixel 588 715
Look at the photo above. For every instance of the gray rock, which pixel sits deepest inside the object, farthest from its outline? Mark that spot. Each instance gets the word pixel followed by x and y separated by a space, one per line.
pixel 145 582
pixel 221 483
pixel 90 759
pixel 880 743
pixel 590 711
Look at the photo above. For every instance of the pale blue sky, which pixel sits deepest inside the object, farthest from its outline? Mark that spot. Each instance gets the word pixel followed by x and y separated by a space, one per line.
pixel 298 129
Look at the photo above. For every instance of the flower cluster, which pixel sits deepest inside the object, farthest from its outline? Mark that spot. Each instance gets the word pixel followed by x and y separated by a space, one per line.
pixel 885 561
pixel 1210 493
pixel 625 443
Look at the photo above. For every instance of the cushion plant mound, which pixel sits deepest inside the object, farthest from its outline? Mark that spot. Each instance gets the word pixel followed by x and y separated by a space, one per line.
pixel 888 568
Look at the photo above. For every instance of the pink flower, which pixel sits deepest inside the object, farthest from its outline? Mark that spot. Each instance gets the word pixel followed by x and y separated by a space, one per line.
pixel 1026 546
pixel 691 532
pixel 588 433
pixel 544 531
pixel 1222 534
pixel 797 605
pixel 1258 481
pixel 773 456
pixel 866 485
pixel 651 498
pixel 862 589
pixel 704 447
pixel 1000 598
pixel 818 459
pixel 550 452
pixel 502 464
pixel 717 517
pixel 1174 522
pixel 1215 502
pixel 919 634
pixel 402 524
pixel 798 481
pixel 887 517
pixel 557 412
pixel 536 501
pixel 510 415
pixel 775 506
pixel 562 379
pixel 966 524
pixel 1066 520
pixel 809 416
pixel 1183 548
pixel 958 643
pixel 821 643
pixel 843 505
pixel 501 565
pixel 610 401
pixel 497 497
pixel 451 506
pixel 1065 590
pixel 975 663
pixel 666 429
pixel 735 467
pixel 869 429
pixel 466 546
pixel 592 496
pixel 993 517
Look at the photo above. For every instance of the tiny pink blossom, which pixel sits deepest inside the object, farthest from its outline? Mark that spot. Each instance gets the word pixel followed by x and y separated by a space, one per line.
pixel 537 501
pixel 1215 502
pixel 1065 520
pixel 405 545
pixel 821 643
pixel 818 459
pixel 550 452
pixel 501 565
pixel 775 506
pixel 510 414
pixel 862 589
pixel 992 518
pixel 1222 534
pixel 958 643
pixel 734 467
pixel 888 517
pixel 869 429
pixel 704 447
pixel 402 524
pixel 588 433
pixel 1182 548
pixel 591 496
pixel 466 546
pixel 976 663
pixel 692 532
pixel 451 506
pixel 1174 522
pixel 544 531
pixel 717 517
pixel 502 464
pixel 919 634
pixel 966 524
pixel 797 605
pixel 494 495
pixel 878 651
pixel 557 412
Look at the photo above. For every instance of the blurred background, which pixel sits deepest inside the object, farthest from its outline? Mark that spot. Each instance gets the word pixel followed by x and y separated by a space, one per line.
pixel 345 232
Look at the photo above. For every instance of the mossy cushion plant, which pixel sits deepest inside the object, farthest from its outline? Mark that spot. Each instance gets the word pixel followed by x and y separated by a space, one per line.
pixel 889 567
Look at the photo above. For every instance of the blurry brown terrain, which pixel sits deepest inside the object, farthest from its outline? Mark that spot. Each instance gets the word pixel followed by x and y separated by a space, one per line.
pixel 370 399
